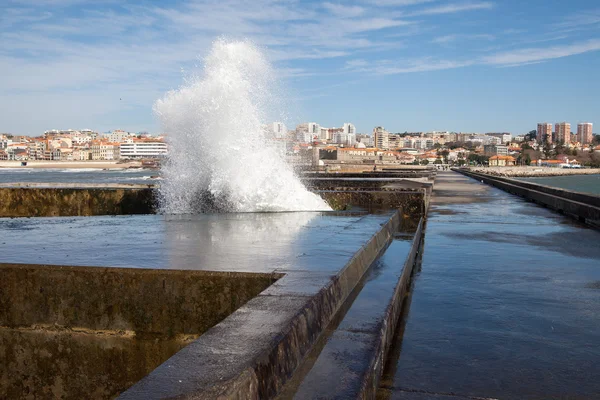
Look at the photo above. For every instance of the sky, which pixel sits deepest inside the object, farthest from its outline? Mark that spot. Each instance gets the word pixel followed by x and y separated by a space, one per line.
pixel 407 65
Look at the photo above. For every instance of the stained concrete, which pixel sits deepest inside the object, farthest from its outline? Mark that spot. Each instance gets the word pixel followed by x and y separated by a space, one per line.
pixel 86 332
pixel 497 318
pixel 351 361
pixel 68 201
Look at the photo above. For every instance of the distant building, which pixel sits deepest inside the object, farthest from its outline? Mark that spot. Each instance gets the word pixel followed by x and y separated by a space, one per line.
pixel 381 138
pixel 143 148
pixel 504 137
pixel 562 131
pixel 118 136
pixel 544 132
pixel 495 150
pixel 502 161
pixel 367 140
pixel 278 130
pixel 349 128
pixel 307 132
pixel 104 150
pixel 585 133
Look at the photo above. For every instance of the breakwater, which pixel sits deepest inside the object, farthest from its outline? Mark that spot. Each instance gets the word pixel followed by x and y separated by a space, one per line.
pixel 581 206
pixel 312 270
pixel 370 191
pixel 532 171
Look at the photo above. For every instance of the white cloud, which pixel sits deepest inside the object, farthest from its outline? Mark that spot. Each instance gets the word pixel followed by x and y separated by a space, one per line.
pixel 394 67
pixel 531 55
pixel 344 11
pixel 453 8
pixel 455 37
pixel 399 2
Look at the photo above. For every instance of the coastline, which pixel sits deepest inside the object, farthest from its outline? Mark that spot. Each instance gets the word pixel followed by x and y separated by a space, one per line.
pixel 71 164
pixel 533 172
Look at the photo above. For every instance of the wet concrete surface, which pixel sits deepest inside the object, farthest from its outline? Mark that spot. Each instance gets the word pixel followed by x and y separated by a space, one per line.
pixel 506 305
pixel 344 365
pixel 251 242
pixel 321 256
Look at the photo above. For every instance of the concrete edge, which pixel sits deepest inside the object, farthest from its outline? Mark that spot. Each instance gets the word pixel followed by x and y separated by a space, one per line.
pixel 538 194
pixel 264 375
pixel 390 322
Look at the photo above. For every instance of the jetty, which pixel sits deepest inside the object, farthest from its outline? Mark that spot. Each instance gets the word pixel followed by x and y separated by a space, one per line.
pixel 422 285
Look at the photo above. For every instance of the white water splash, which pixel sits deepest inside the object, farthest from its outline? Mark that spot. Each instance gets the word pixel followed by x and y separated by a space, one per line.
pixel 219 157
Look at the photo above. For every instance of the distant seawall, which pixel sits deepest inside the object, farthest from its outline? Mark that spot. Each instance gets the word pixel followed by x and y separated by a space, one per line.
pixel 531 171
pixel 581 206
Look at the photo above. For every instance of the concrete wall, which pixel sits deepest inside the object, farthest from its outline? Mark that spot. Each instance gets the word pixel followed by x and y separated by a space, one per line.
pixel 260 371
pixel 413 203
pixel 559 200
pixel 91 332
pixel 54 202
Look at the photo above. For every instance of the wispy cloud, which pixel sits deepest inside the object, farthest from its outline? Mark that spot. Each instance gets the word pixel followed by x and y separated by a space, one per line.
pixel 455 37
pixel 530 55
pixel 399 2
pixel 393 67
pixel 344 11
pixel 452 8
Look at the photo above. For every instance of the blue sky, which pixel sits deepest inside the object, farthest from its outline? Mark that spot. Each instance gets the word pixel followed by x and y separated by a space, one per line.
pixel 409 65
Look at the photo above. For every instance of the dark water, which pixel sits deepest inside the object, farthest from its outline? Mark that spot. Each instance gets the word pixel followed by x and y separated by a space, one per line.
pixel 87 175
pixel 578 183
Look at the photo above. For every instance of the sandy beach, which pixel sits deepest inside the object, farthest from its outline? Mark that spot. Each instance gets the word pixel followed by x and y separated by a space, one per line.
pixel 72 164
pixel 535 171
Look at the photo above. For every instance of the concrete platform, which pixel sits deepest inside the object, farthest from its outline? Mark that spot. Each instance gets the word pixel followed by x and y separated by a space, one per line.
pixel 506 304
pixel 318 257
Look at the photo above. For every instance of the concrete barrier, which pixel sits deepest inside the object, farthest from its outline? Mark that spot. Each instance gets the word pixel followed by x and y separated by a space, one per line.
pixel 280 324
pixel 71 201
pixel 580 206
pixel 54 200
pixel 92 332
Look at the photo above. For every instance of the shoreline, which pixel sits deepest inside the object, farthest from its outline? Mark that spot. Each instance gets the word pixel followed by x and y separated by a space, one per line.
pixel 534 172
pixel 71 164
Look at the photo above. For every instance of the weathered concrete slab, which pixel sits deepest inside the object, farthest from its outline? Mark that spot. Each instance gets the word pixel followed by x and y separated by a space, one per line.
pixel 91 332
pixel 351 362
pixel 53 202
pixel 252 353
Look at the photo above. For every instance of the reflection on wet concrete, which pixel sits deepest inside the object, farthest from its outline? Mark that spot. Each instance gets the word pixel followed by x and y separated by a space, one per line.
pixel 219 242
pixel 504 306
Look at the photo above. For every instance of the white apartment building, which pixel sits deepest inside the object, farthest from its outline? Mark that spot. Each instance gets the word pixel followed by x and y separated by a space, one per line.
pixel 349 128
pixel 278 130
pixel 140 148
pixel 381 138
pixel 119 136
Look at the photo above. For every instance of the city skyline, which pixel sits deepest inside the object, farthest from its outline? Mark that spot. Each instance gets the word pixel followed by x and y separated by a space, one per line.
pixel 409 65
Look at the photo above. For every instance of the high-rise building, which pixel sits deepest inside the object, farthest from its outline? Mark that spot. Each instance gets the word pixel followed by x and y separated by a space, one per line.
pixel 544 132
pixel 349 128
pixel 585 133
pixel 381 138
pixel 562 130
pixel 278 130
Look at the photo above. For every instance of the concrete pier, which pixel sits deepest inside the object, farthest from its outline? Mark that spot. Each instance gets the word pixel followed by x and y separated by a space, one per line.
pixel 505 305
pixel 581 206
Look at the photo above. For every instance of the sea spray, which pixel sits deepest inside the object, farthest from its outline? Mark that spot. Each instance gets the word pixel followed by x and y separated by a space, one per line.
pixel 219 155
